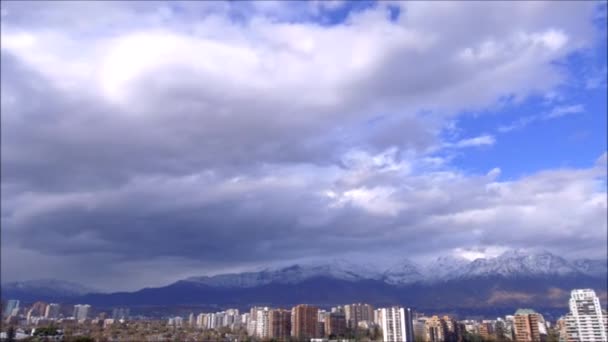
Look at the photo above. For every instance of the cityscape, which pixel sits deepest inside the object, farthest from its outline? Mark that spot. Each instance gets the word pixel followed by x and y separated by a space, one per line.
pixel 586 321
pixel 307 170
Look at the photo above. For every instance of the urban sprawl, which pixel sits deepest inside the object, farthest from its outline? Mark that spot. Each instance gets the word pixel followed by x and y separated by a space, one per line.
pixel 586 322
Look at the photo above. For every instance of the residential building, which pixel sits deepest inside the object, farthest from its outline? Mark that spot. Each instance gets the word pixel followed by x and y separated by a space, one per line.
pixel 335 324
pixel 450 329
pixel 37 309
pixel 11 306
pixel 304 322
pixel 280 324
pixel 120 313
pixel 232 318
pixel 586 321
pixel 52 311
pixel 434 330
pixel 262 329
pixel 526 325
pixel 81 311
pixel 357 312
pixel 176 322
pixel 378 316
pixel 396 323
pixel 486 330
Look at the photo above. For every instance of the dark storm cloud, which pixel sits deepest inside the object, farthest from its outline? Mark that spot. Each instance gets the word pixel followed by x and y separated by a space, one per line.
pixel 190 141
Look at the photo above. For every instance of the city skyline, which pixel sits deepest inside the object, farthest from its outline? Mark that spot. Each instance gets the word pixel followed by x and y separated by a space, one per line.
pixel 147 142
pixel 584 321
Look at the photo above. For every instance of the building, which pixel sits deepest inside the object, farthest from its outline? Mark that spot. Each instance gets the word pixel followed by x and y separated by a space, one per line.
pixel 200 320
pixel 434 330
pixel 262 329
pixel 450 329
pixel 52 311
pixel 280 324
pixel 526 325
pixel 586 321
pixel 378 316
pixel 176 322
pixel 37 309
pixel 81 311
pixel 396 323
pixel 358 312
pixel 304 322
pixel 11 306
pixel 486 330
pixel 335 324
pixel 120 313
pixel 232 318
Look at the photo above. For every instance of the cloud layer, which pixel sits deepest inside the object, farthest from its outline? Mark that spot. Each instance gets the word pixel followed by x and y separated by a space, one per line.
pixel 194 137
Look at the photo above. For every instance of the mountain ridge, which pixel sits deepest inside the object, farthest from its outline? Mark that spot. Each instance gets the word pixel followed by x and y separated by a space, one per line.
pixel 508 264
pixel 512 278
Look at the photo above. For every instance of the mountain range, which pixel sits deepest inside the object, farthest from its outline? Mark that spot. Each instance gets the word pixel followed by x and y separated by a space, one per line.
pixel 512 279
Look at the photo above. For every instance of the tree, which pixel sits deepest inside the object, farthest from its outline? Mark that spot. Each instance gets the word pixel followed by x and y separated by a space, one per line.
pixel 10 334
pixel 82 339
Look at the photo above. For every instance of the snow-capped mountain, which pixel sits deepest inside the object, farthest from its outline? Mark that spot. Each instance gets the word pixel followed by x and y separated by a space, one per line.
pixel 337 269
pixel 513 263
pixel 404 272
pixel 519 263
pixel 444 268
pixel 445 282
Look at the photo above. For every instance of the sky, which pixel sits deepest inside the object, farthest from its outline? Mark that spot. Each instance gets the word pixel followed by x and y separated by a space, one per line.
pixel 145 142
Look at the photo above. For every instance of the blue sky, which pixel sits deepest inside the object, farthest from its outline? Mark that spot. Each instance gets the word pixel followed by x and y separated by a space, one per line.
pixel 188 138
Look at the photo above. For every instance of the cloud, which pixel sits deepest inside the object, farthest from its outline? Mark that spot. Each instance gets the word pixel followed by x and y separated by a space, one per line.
pixel 195 137
pixel 482 140
pixel 556 112
pixel 564 110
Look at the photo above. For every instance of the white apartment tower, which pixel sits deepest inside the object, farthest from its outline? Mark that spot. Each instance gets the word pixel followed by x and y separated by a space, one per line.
pixel 52 311
pixel 396 324
pixel 262 329
pixel 585 321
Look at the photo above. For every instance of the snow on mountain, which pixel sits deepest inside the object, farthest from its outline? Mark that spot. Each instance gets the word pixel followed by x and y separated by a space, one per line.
pixel 337 268
pixel 404 272
pixel 519 263
pixel 444 268
pixel 512 263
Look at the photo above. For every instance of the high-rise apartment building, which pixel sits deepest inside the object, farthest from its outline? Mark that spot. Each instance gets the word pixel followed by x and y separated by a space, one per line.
pixel 262 329
pixel 358 312
pixel 11 306
pixel 121 313
pixel 450 329
pixel 81 311
pixel 37 309
pixel 52 311
pixel 304 322
pixel 526 325
pixel 378 316
pixel 335 324
pixel 396 323
pixel 280 324
pixel 434 329
pixel 586 321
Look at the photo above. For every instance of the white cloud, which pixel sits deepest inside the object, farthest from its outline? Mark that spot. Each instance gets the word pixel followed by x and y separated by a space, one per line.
pixel 482 140
pixel 564 110
pixel 556 112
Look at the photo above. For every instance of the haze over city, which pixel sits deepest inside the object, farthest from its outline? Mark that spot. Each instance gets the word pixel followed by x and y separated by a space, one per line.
pixel 147 142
